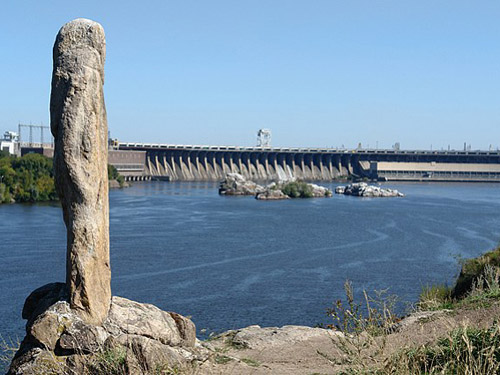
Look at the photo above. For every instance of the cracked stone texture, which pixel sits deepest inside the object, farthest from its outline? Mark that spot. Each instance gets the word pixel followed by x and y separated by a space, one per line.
pixel 58 341
pixel 79 126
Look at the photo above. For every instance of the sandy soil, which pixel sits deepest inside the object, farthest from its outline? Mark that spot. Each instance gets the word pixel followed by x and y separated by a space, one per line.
pixel 305 350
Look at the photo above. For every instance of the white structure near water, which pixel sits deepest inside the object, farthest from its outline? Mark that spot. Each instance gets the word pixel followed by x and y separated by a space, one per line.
pixel 9 141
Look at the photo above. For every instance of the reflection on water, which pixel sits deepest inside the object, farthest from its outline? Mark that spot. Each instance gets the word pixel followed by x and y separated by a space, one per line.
pixel 235 261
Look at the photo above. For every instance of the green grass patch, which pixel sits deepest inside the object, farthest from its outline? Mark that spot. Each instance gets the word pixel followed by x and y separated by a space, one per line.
pixel 250 362
pixel 222 359
pixel 109 362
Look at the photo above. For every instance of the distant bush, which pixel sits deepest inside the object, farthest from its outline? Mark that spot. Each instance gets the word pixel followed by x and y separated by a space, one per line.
pixel 297 189
pixel 113 174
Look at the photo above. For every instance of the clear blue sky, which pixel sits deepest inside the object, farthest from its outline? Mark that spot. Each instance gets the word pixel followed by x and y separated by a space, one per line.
pixel 317 72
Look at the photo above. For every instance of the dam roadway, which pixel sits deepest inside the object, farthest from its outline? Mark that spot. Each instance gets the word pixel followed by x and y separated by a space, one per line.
pixel 212 163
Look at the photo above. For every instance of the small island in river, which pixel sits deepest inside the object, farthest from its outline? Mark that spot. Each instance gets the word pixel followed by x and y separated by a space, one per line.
pixel 236 184
pixel 362 189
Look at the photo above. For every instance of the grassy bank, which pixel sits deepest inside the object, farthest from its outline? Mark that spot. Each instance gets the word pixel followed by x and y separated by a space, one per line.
pixel 454 330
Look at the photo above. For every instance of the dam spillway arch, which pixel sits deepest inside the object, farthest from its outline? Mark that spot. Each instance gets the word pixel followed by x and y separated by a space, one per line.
pixel 191 164
pixel 212 163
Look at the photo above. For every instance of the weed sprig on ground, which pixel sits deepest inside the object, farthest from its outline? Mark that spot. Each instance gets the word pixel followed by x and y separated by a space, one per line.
pixel 8 348
pixel 365 327
pixel 109 362
pixel 374 316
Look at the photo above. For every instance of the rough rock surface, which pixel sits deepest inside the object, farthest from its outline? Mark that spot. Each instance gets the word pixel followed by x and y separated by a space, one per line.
pixel 296 189
pixel 58 341
pixel 362 189
pixel 79 126
pixel 76 327
pixel 255 337
pixel 236 184
pixel 320 191
pixel 271 195
pixel 273 350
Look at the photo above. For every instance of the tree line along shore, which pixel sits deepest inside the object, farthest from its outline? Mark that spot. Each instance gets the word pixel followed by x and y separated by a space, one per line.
pixel 30 178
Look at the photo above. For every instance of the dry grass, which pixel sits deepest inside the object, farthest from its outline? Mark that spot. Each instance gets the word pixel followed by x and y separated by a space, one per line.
pixel 8 348
pixel 365 326
pixel 466 350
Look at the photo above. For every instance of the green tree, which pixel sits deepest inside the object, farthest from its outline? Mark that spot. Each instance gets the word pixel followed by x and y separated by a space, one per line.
pixel 26 179
pixel 113 174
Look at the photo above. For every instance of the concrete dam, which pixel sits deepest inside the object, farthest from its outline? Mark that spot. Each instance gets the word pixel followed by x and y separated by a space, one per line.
pixel 212 163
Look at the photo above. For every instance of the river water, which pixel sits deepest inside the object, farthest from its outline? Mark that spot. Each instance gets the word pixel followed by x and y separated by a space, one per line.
pixel 230 262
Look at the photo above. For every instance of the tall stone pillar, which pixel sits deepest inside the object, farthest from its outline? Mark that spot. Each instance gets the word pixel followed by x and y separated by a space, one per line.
pixel 79 126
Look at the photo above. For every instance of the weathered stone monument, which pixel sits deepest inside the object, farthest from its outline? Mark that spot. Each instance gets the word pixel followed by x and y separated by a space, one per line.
pixel 80 129
pixel 72 326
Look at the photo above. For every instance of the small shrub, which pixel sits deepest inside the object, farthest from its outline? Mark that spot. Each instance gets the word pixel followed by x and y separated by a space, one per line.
pixel 472 269
pixel 365 327
pixel 109 362
pixel 121 180
pixel 374 315
pixel 297 189
pixel 113 174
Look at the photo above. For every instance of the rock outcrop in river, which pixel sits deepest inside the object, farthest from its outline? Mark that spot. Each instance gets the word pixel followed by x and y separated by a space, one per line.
pixel 271 195
pixel 293 189
pixel 236 184
pixel 362 189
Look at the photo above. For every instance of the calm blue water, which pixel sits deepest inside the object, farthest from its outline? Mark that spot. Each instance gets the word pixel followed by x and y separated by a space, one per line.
pixel 233 261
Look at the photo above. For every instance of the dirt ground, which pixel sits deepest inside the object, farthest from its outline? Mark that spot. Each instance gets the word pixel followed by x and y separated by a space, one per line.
pixel 305 350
